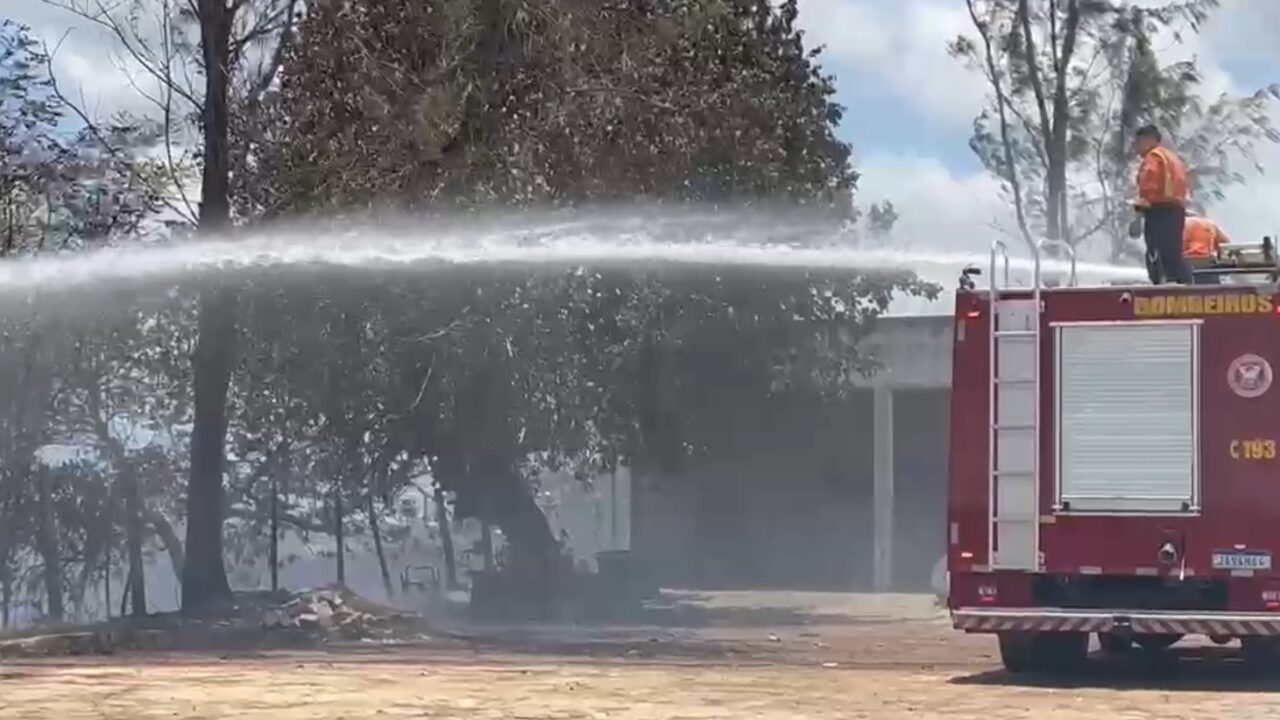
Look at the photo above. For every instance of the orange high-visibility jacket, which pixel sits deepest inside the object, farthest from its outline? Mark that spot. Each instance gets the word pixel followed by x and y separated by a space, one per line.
pixel 1162 178
pixel 1202 237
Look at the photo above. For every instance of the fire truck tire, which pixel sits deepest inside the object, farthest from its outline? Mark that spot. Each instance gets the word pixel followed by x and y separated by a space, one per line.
pixel 1156 643
pixel 1025 652
pixel 1260 653
pixel 1018 652
pixel 1113 644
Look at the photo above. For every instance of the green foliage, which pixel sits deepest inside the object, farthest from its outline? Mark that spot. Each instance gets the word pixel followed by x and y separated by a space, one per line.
pixel 881 218
pixel 522 101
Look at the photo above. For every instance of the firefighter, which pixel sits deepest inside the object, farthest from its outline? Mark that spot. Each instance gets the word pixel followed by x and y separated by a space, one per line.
pixel 1162 203
pixel 1200 242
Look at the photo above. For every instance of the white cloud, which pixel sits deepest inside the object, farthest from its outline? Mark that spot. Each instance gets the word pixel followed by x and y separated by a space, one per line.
pixel 1246 30
pixel 903 42
pixel 938 209
pixel 91 68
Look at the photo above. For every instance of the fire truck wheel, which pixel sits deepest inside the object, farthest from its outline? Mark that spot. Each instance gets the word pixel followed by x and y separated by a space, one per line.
pixel 1043 652
pixel 1260 653
pixel 1018 652
pixel 1113 644
pixel 1156 643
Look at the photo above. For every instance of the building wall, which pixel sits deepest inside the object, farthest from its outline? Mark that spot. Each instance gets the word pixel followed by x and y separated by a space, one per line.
pixel 812 497
pixel 777 508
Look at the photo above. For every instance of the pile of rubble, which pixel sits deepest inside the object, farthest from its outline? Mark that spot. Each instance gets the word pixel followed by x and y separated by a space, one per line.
pixel 339 614
pixel 252 620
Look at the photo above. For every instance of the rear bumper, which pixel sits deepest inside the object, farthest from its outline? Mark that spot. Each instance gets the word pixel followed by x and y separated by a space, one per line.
pixel 1148 622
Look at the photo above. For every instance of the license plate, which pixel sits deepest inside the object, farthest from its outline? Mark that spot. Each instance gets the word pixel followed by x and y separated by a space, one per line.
pixel 1241 560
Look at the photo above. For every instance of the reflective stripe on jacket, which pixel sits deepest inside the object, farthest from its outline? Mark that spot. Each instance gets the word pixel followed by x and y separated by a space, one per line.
pixel 1162 178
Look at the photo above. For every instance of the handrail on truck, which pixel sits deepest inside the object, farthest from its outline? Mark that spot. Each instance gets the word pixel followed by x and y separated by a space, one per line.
pixel 1071 253
pixel 998 250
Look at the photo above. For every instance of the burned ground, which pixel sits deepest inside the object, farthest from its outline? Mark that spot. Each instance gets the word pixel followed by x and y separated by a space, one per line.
pixel 835 656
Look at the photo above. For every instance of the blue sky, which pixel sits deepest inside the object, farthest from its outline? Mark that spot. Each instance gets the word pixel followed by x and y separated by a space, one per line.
pixel 909 105
pixel 898 126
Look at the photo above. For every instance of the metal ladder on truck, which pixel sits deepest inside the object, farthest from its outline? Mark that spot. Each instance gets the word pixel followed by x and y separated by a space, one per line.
pixel 1013 446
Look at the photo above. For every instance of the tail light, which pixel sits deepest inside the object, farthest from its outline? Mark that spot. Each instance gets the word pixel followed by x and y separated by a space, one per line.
pixel 1271 600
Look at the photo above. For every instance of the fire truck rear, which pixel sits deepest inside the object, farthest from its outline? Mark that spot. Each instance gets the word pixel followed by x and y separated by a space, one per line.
pixel 1113 467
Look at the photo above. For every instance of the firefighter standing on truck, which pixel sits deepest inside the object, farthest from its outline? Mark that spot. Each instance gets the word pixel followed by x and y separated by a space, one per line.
pixel 1200 242
pixel 1162 202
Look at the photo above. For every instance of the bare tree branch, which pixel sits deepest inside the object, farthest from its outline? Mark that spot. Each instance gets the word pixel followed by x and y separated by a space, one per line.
pixel 104 17
pixel 1002 103
pixel 94 129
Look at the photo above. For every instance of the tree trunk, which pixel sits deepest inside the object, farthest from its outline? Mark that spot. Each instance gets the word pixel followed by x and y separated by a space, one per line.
pixel 371 510
pixel 533 555
pixel 124 595
pixel 1061 110
pixel 1002 107
pixel 6 587
pixel 204 577
pixel 133 540
pixel 106 579
pixel 446 540
pixel 274 547
pixel 47 546
pixel 169 538
pixel 216 20
pixel 339 535
pixel 486 545
pixel 6 560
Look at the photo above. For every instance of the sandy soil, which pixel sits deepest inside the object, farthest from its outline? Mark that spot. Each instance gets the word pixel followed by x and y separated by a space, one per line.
pixel 880 659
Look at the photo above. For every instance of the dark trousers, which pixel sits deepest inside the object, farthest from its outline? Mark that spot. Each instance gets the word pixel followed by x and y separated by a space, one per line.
pixel 1162 227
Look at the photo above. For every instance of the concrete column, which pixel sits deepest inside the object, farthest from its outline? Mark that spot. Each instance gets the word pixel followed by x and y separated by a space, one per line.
pixel 882 510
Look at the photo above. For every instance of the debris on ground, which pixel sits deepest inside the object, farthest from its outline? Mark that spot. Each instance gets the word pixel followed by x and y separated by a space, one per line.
pixel 246 621
pixel 338 613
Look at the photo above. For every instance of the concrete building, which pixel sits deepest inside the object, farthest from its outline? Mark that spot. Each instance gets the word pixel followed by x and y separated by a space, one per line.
pixel 911 410
pixel 846 495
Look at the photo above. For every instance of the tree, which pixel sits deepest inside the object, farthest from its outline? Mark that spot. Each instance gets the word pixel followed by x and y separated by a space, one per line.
pixel 28 122
pixel 881 218
pixel 228 31
pixel 1071 80
pixel 560 101
pixel 59 191
pixel 551 101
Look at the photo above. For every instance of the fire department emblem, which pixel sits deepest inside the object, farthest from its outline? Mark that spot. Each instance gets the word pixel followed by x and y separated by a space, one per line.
pixel 1249 376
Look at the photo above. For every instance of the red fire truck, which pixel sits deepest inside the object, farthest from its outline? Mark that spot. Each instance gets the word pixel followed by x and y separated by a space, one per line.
pixel 1113 467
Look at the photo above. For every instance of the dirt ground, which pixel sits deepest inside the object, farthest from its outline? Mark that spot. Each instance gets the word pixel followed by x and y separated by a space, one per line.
pixel 775 657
